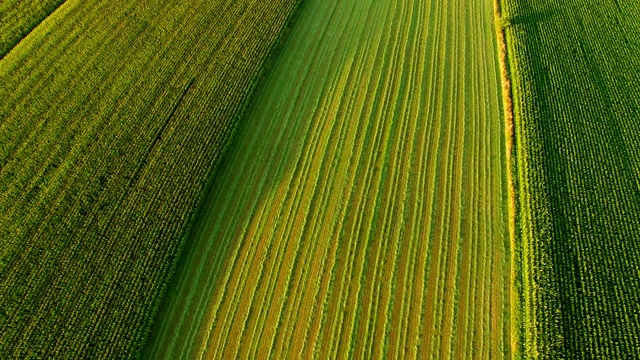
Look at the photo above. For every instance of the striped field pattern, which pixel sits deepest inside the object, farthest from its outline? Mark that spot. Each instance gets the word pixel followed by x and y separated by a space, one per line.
pixel 362 211
pixel 19 17
pixel 576 97
pixel 113 116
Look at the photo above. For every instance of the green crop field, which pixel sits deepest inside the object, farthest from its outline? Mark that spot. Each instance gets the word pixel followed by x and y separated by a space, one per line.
pixel 575 68
pixel 113 116
pixel 363 209
pixel 326 179
pixel 19 17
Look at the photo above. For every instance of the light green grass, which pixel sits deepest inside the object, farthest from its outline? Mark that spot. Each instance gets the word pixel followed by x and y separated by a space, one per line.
pixel 362 211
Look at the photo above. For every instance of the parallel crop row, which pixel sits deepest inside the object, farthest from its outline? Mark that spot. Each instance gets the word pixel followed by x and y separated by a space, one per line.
pixel 19 17
pixel 575 76
pixel 113 117
pixel 363 213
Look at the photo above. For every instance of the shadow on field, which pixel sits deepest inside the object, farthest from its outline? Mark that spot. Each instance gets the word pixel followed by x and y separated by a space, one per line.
pixel 171 330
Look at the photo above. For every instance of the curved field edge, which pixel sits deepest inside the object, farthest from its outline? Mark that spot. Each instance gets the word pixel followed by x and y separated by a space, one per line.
pixel 126 125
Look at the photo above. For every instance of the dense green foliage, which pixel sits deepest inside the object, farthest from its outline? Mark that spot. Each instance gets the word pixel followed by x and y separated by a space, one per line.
pixel 113 116
pixel 576 92
pixel 19 17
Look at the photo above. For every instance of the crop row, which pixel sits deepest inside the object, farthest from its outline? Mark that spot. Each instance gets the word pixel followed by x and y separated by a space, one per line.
pixel 18 18
pixel 114 116
pixel 576 106
pixel 364 215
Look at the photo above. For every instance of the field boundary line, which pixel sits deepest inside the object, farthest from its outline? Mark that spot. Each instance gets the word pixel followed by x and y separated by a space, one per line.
pixel 28 32
pixel 516 333
pixel 231 141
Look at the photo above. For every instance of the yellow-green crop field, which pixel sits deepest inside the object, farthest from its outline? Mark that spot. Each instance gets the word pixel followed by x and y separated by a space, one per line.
pixel 319 179
pixel 113 116
pixel 363 210
pixel 19 17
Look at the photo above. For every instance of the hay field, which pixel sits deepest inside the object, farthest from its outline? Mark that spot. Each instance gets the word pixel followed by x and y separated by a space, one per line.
pixel 362 210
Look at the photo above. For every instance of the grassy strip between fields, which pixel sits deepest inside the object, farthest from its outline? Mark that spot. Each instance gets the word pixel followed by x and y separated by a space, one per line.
pixel 515 249
pixel 113 117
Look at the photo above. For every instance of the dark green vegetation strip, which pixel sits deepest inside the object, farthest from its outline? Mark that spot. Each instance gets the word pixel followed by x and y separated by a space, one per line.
pixel 113 116
pixel 576 92
pixel 19 17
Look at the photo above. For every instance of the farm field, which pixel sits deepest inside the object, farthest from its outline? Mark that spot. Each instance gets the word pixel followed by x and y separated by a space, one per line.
pixel 19 17
pixel 113 116
pixel 363 208
pixel 576 85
